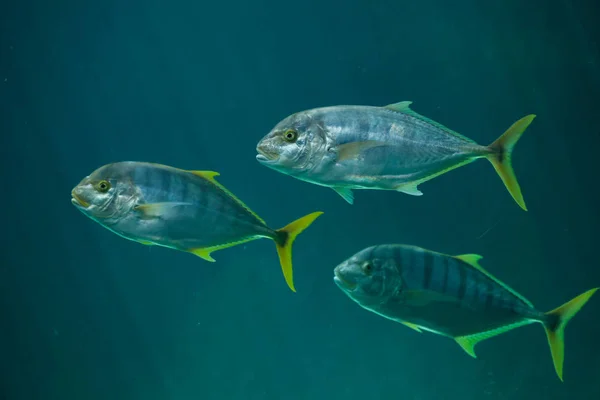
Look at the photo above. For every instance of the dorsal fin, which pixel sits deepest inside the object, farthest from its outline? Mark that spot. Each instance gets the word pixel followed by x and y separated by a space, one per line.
pixel 210 176
pixel 473 260
pixel 404 107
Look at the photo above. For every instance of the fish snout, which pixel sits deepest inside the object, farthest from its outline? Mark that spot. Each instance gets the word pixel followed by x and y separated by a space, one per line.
pixel 342 278
pixel 266 152
pixel 78 197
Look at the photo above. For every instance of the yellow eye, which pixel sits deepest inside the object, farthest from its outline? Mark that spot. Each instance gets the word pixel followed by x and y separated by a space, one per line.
pixel 290 135
pixel 103 186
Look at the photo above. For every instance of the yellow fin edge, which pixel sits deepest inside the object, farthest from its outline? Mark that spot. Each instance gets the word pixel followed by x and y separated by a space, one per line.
pixel 411 326
pixel 473 261
pixel 204 252
pixel 210 176
pixel 468 342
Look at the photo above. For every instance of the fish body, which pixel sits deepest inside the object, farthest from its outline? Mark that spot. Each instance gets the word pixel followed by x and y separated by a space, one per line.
pixel 452 296
pixel 382 148
pixel 188 211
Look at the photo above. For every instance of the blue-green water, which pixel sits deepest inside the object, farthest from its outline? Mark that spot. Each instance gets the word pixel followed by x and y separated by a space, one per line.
pixel 86 314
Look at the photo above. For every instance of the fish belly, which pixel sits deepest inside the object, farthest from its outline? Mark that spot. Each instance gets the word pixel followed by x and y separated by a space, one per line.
pixel 451 319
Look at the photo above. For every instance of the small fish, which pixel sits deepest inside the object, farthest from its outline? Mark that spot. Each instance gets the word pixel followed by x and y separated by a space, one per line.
pixel 384 148
pixel 452 296
pixel 189 211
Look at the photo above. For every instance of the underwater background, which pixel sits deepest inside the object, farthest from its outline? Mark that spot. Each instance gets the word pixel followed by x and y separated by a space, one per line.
pixel 86 314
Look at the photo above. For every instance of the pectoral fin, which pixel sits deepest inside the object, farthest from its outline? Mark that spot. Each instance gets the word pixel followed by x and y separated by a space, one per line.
pixel 157 210
pixel 346 194
pixel 352 150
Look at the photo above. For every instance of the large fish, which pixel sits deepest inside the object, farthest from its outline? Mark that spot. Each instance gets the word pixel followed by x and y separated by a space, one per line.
pixel 387 148
pixel 184 210
pixel 452 296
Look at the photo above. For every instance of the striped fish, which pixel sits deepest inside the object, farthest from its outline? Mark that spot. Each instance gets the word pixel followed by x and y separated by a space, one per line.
pixel 351 147
pixel 189 211
pixel 452 296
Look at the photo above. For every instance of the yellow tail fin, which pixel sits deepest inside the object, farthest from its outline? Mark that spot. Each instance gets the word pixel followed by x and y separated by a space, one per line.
pixel 555 327
pixel 501 154
pixel 284 242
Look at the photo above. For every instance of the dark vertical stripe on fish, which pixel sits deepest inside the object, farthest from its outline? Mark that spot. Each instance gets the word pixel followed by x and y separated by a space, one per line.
pixel 413 267
pixel 185 192
pixel 453 278
pixel 446 266
pixel 475 288
pixel 484 293
pixel 489 294
pixel 471 283
pixel 437 272
pixel 463 282
pixel 427 269
pixel 398 256
pixel 205 197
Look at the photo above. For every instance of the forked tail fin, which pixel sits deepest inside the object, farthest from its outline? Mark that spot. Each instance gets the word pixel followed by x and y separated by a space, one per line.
pixel 284 241
pixel 555 327
pixel 500 157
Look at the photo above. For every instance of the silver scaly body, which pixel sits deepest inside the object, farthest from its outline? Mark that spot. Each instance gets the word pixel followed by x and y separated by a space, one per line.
pixel 413 149
pixel 193 212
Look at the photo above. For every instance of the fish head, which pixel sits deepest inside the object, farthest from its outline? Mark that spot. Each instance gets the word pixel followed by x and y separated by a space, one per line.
pixel 294 146
pixel 368 277
pixel 105 195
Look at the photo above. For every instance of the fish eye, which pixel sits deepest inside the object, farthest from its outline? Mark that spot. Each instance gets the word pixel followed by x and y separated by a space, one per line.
pixel 103 186
pixel 290 135
pixel 367 268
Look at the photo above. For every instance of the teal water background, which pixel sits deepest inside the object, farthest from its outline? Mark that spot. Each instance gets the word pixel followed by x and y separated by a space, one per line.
pixel 88 315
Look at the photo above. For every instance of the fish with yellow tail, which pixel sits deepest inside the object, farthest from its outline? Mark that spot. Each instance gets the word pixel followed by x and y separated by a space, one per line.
pixel 189 211
pixel 384 148
pixel 451 296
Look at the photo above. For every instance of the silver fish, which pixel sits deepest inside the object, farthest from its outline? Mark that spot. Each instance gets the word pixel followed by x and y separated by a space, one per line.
pixel 385 148
pixel 189 211
pixel 452 296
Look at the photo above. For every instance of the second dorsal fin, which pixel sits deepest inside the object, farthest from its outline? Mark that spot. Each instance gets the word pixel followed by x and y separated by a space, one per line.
pixel 210 176
pixel 404 107
pixel 473 261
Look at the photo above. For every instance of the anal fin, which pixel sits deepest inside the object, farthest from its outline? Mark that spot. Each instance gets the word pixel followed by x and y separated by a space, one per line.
pixel 468 342
pixel 410 188
pixel 346 194
pixel 411 326
pixel 203 253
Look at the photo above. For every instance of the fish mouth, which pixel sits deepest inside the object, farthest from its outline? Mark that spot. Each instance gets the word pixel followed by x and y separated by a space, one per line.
pixel 340 281
pixel 265 156
pixel 78 201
